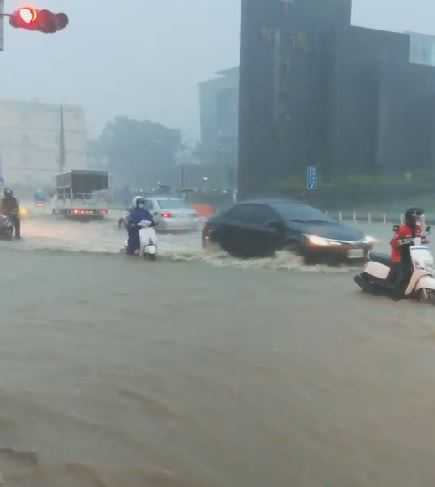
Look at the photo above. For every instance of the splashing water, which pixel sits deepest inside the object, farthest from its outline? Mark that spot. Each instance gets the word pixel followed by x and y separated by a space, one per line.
pixel 51 234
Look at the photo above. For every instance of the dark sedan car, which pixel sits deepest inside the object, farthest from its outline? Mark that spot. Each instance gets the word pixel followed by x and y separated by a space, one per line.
pixel 261 227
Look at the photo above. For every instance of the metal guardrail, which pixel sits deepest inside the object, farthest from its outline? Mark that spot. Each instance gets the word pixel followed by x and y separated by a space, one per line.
pixel 369 217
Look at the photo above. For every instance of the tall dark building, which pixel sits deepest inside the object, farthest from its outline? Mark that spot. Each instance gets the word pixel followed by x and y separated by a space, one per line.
pixel 315 90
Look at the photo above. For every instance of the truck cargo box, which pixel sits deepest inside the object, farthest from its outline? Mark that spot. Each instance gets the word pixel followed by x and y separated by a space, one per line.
pixel 81 182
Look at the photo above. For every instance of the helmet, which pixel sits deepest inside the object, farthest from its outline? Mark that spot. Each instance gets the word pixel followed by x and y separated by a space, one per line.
pixel 414 217
pixel 138 202
pixel 8 193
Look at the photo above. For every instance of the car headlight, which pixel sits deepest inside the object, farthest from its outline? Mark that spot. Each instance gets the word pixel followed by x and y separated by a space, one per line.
pixel 321 241
pixel 369 240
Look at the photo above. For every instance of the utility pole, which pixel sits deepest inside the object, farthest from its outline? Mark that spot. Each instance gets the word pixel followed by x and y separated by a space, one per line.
pixel 182 178
pixel 62 151
pixel 2 24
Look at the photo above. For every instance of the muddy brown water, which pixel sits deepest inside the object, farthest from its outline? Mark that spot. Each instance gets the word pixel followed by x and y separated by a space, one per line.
pixel 120 372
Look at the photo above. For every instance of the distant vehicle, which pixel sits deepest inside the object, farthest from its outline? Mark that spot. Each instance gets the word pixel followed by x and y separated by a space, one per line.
pixel 81 195
pixel 163 189
pixel 170 214
pixel 40 199
pixel 261 227
pixel 173 214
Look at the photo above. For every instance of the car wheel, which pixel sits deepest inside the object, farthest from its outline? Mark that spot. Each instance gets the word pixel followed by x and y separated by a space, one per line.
pixel 240 253
pixel 209 244
pixel 205 243
pixel 293 246
pixel 309 258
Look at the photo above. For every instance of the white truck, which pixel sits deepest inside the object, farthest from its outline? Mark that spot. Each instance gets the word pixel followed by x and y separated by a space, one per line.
pixel 81 195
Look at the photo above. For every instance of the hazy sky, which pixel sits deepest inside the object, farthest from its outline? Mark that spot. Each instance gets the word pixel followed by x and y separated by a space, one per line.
pixel 143 58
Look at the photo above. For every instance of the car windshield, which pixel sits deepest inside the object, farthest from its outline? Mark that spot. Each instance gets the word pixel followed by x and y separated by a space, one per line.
pixel 301 213
pixel 172 204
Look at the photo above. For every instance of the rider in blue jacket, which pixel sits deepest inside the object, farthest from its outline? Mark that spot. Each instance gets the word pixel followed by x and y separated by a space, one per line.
pixel 137 213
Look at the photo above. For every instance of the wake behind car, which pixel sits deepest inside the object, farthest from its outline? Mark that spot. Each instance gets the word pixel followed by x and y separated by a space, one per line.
pixel 261 227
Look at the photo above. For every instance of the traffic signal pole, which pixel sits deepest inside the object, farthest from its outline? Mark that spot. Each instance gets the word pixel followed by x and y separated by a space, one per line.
pixel 2 24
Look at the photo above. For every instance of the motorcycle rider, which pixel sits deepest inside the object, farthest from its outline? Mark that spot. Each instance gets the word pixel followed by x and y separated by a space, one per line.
pixel 414 226
pixel 137 213
pixel 11 208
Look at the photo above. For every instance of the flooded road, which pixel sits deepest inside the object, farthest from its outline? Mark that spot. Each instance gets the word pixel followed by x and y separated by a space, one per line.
pixel 44 232
pixel 189 372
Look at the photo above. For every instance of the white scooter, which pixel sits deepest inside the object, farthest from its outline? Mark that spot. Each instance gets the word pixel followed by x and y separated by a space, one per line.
pixel 421 281
pixel 147 239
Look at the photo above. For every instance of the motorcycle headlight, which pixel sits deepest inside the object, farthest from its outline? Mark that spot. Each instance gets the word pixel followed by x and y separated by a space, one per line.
pixel 425 266
pixel 321 241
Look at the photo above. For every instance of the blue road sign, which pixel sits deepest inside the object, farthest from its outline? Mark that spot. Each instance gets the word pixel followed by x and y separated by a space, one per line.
pixel 312 179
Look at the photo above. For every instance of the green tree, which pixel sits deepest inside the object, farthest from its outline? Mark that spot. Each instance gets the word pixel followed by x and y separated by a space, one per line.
pixel 139 153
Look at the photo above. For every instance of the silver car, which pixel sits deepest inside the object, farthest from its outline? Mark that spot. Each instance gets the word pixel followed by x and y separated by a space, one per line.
pixel 172 214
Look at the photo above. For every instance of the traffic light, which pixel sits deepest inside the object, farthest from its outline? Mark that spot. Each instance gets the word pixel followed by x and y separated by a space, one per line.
pixel 30 18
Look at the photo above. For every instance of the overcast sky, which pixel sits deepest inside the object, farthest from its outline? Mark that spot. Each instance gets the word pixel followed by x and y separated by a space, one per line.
pixel 143 58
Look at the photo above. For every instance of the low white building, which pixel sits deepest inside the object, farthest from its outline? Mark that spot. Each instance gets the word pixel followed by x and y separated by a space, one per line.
pixel 31 141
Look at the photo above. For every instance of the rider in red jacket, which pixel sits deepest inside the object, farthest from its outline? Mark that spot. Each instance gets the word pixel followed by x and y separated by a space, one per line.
pixel 414 226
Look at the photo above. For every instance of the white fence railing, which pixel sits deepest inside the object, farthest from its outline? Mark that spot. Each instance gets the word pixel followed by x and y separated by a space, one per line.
pixel 369 217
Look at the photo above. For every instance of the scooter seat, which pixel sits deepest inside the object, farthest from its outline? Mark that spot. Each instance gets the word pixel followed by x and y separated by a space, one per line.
pixel 381 258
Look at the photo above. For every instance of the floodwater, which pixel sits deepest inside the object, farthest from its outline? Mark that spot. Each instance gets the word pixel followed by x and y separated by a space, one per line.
pixel 201 370
pixel 44 232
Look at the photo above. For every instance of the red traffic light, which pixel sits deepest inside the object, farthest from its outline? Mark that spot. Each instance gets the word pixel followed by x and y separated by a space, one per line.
pixel 35 19
pixel 23 18
pixel 62 21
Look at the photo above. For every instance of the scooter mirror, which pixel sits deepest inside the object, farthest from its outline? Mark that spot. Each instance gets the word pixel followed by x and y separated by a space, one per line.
pixel 396 228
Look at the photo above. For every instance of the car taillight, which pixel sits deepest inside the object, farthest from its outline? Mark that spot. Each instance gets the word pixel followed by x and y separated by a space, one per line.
pixel 166 214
